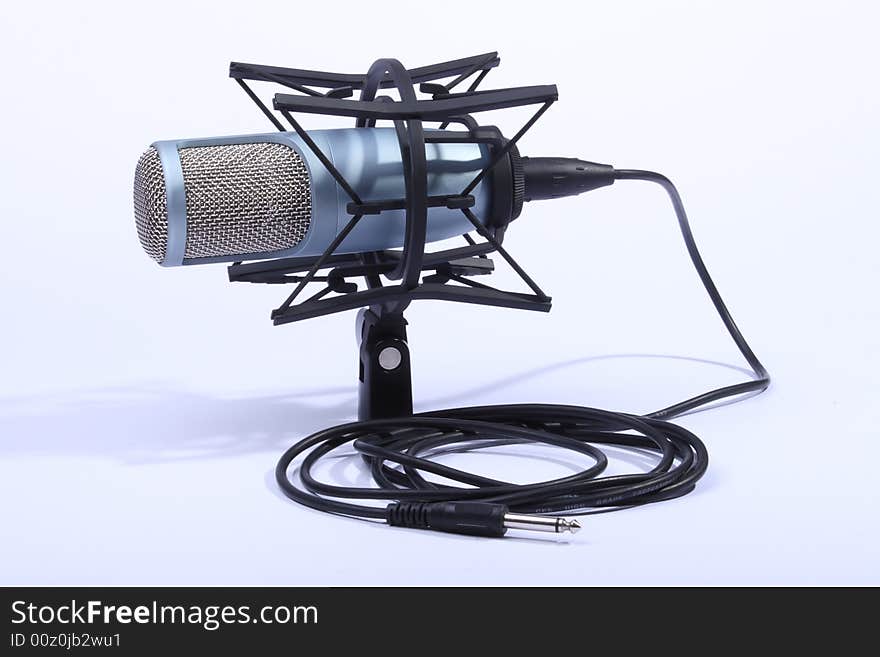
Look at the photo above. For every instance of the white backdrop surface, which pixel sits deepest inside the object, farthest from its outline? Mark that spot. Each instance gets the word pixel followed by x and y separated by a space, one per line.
pixel 142 410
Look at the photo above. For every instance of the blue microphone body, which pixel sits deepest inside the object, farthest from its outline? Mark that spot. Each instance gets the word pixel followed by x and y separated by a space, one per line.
pixel 262 196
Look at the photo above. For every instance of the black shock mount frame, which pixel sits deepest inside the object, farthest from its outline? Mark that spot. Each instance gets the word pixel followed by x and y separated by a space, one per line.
pixel 411 273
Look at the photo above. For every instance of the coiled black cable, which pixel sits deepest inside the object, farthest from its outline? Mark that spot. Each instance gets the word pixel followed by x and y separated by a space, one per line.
pixel 408 442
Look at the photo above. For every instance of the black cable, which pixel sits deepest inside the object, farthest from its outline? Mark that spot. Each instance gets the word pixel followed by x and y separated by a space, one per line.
pixel 487 506
pixel 762 377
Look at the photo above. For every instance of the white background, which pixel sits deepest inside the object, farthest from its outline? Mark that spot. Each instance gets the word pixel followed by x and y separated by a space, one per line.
pixel 142 409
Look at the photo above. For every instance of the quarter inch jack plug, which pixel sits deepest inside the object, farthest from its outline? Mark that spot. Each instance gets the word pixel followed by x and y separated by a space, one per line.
pixel 473 518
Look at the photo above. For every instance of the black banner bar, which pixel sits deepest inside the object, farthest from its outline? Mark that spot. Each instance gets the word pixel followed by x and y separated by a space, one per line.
pixel 171 621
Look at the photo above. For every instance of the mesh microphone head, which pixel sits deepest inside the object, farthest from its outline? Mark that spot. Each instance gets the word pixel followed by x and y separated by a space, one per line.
pixel 241 199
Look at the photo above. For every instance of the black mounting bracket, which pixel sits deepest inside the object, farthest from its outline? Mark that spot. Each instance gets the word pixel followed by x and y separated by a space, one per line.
pixel 385 388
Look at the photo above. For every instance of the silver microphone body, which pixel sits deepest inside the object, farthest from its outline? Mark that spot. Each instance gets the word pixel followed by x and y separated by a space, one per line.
pixel 263 196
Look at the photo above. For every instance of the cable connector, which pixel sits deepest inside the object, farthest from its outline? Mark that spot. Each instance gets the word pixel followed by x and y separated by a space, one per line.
pixel 557 177
pixel 472 518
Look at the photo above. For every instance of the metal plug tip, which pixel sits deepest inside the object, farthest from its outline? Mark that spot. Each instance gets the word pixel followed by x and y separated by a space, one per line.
pixel 556 525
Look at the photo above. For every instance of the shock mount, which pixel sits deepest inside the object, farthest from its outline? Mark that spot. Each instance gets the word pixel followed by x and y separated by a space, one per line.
pixel 395 278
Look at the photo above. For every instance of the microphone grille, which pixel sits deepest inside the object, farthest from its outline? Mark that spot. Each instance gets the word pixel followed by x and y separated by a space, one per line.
pixel 150 205
pixel 241 199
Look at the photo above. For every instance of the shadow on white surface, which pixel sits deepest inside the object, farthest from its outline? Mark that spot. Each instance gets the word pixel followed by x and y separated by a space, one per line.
pixel 152 424
pixel 514 379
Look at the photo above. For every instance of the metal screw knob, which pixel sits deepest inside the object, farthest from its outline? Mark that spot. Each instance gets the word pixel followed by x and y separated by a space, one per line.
pixel 390 358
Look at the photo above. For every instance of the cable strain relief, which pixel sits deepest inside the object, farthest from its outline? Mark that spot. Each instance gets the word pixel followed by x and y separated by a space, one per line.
pixel 557 177
pixel 408 514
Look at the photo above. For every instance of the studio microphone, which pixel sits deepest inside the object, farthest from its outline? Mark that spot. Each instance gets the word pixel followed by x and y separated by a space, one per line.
pixel 324 212
pixel 254 197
